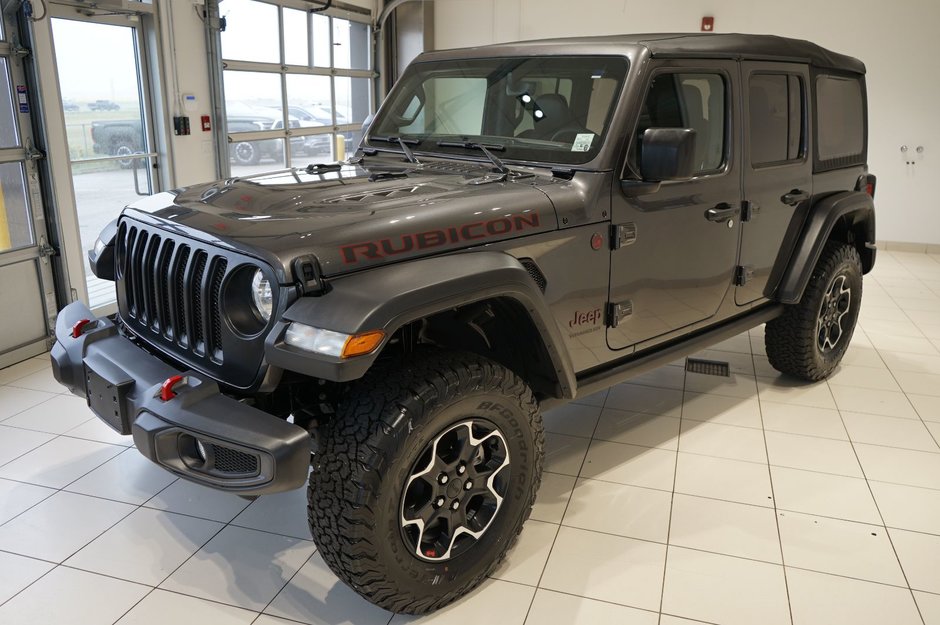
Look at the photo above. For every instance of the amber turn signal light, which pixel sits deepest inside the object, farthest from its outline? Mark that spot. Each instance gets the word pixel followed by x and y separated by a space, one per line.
pixel 362 344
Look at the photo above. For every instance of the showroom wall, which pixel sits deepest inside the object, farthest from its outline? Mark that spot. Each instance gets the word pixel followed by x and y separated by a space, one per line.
pixel 896 40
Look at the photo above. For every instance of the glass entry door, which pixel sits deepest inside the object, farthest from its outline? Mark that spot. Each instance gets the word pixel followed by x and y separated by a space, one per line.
pixel 104 97
pixel 27 294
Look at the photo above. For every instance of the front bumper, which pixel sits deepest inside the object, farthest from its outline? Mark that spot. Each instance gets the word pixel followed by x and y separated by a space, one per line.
pixel 199 434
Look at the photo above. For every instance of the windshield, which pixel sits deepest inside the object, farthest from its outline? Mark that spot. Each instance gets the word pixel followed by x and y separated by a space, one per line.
pixel 542 109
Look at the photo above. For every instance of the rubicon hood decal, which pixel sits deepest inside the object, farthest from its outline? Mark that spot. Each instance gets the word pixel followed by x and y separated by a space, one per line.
pixel 470 233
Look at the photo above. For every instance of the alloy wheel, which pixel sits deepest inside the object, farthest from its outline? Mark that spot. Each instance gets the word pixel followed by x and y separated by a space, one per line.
pixel 455 490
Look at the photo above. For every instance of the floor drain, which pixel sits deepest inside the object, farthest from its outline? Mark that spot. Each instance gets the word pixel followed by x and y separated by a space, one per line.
pixel 708 367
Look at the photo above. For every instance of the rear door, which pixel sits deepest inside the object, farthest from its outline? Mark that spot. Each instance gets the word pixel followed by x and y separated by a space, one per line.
pixel 676 246
pixel 778 171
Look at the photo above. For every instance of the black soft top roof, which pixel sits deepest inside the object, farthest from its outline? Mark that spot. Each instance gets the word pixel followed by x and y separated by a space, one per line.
pixel 685 45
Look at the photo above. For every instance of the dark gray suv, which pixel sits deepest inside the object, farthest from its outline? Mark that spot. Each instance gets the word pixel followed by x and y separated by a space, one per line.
pixel 522 225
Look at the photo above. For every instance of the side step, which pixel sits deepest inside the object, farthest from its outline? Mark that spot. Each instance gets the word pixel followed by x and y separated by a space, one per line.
pixel 638 364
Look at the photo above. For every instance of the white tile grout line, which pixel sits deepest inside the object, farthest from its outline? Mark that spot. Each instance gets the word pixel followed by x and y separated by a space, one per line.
pixel 773 498
pixel 672 498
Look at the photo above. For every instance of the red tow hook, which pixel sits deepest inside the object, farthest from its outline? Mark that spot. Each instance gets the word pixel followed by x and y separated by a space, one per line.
pixel 166 389
pixel 78 327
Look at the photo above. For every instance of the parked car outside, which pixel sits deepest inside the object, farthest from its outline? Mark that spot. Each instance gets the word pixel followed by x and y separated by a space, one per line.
pixel 103 105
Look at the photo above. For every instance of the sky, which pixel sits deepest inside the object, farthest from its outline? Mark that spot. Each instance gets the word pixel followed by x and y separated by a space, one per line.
pixel 95 61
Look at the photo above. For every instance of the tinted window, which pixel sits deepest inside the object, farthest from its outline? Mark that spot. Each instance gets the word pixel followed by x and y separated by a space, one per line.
pixel 694 101
pixel 840 118
pixel 775 108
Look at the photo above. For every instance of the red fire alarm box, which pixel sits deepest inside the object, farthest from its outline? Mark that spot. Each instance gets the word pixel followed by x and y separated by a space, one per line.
pixel 206 124
pixel 708 24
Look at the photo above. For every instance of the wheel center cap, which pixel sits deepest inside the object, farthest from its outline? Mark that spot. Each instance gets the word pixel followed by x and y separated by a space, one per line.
pixel 454 487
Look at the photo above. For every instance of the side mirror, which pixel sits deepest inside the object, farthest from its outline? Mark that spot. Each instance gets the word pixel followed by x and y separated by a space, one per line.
pixel 667 154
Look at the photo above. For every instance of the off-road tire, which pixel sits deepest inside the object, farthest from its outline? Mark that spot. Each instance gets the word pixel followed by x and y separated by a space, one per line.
pixel 367 454
pixel 791 339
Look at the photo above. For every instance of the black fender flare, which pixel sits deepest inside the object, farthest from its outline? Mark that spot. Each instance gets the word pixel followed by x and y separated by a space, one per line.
pixel 388 297
pixel 823 217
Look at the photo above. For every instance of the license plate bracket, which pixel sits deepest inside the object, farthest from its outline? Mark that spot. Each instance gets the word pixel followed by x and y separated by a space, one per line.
pixel 107 399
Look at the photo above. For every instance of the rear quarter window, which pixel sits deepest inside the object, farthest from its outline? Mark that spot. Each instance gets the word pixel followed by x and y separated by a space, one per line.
pixel 840 121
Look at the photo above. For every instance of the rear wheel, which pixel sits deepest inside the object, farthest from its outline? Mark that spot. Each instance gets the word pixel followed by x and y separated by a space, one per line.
pixel 809 339
pixel 126 149
pixel 246 153
pixel 424 479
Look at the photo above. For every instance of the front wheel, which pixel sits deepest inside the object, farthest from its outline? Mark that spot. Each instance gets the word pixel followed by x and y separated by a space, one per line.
pixel 809 339
pixel 424 479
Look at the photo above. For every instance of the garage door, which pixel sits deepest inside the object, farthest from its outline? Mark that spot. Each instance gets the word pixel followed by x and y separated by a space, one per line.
pixel 297 83
pixel 27 297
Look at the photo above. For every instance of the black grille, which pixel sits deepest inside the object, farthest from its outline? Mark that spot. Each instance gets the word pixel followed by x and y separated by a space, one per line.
pixel 172 291
pixel 228 460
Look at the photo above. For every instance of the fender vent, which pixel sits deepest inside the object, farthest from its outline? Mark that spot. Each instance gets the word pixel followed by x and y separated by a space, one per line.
pixel 708 367
pixel 535 273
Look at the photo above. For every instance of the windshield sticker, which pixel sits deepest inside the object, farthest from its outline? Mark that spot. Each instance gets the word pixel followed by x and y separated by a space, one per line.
pixel 582 142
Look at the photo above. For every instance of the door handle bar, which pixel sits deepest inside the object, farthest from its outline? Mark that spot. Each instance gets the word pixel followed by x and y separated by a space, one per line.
pixel 794 197
pixel 721 213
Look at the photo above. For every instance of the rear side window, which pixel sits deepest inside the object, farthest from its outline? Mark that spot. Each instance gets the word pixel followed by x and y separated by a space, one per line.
pixel 840 120
pixel 775 110
pixel 694 101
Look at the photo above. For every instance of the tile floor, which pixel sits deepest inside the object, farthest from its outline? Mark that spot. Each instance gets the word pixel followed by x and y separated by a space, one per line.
pixel 674 499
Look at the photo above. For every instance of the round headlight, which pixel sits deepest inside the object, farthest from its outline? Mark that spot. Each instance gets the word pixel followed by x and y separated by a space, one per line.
pixel 261 295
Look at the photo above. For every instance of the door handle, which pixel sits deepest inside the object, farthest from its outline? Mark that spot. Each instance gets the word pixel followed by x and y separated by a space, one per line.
pixel 721 213
pixel 794 197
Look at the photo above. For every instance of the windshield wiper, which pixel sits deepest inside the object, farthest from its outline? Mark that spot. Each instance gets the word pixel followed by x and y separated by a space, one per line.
pixel 404 146
pixel 469 145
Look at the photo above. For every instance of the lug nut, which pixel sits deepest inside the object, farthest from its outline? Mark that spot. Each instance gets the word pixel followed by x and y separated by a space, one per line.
pixel 455 505
pixel 442 478
pixel 468 485
pixel 461 469
pixel 439 502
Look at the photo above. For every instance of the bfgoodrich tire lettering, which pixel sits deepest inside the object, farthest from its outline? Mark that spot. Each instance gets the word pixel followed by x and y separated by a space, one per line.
pixel 809 339
pixel 369 452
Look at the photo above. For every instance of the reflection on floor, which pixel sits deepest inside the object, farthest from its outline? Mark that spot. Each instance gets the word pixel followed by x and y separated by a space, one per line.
pixel 675 499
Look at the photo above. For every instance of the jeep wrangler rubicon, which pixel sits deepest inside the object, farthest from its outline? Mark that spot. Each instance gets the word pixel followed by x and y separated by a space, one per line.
pixel 521 226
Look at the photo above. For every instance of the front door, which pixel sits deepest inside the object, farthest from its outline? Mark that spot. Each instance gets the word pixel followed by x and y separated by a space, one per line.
pixel 778 172
pixel 27 294
pixel 678 245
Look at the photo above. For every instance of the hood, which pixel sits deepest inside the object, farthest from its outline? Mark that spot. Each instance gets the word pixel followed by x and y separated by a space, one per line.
pixel 355 216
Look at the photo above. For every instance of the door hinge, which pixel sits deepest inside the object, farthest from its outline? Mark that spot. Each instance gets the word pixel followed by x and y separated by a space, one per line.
pixel 743 274
pixel 46 250
pixel 749 210
pixel 617 312
pixel 33 154
pixel 20 52
pixel 622 235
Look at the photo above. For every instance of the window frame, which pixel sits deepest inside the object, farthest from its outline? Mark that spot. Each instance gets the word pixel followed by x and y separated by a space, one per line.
pixel 804 126
pixel 283 70
pixel 631 168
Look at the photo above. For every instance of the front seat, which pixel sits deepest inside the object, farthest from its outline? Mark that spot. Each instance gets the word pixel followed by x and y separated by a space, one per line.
pixel 555 116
